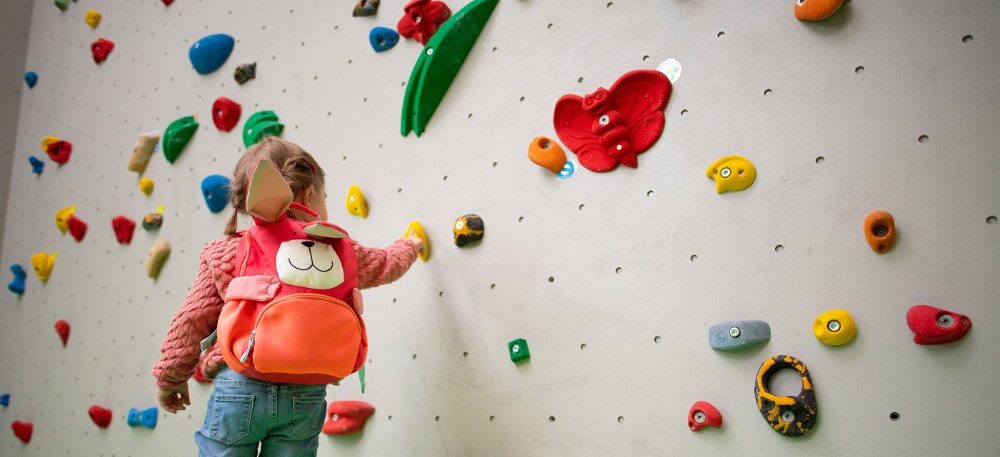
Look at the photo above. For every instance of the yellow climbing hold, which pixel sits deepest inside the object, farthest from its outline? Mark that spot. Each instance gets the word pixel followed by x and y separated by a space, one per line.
pixel 146 186
pixel 46 141
pixel 835 327
pixel 92 18
pixel 732 173
pixel 43 263
pixel 355 202
pixel 417 229
pixel 62 217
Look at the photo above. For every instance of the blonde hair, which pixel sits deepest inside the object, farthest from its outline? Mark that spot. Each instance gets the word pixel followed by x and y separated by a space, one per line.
pixel 297 166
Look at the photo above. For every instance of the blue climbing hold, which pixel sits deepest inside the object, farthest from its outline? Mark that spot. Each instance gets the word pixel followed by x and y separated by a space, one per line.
pixel 36 165
pixel 31 78
pixel 5 400
pixel 146 417
pixel 215 188
pixel 209 53
pixel 383 39
pixel 16 285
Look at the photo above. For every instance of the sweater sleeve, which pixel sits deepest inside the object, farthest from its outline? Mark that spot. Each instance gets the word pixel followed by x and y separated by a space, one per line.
pixel 378 266
pixel 197 317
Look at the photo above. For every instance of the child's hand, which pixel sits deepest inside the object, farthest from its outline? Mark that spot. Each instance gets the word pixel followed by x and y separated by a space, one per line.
pixel 417 242
pixel 174 400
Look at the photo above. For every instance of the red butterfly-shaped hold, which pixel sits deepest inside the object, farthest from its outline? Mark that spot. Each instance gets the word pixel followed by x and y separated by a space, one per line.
pixel 612 126
pixel 421 18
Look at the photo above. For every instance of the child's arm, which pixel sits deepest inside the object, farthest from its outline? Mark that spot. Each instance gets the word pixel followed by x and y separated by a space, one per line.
pixel 382 266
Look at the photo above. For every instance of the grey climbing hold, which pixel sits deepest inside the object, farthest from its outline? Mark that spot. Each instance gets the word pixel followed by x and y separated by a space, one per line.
pixel 736 335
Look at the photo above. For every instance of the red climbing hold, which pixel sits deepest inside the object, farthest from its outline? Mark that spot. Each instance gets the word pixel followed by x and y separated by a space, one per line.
pixel 100 49
pixel 167 2
pixel 612 126
pixel 347 417
pixel 421 18
pixel 77 228
pixel 199 376
pixel 62 328
pixel 225 113
pixel 59 151
pixel 124 228
pixel 22 430
pixel 100 416
pixel 932 325
pixel 702 414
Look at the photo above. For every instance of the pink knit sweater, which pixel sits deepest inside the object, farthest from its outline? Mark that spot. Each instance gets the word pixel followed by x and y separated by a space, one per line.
pixel 197 317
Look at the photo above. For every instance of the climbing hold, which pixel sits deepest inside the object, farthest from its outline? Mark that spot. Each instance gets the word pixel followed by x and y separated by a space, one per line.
pixel 547 154
pixel 152 221
pixel 146 186
pixel 124 228
pixel 355 202
pixel 518 350
pixel 880 231
pixel 146 417
pixel 671 68
pixel 92 18
pixel 613 126
pixel 177 136
pixel 245 72
pixel 789 416
pixel 158 255
pixel 31 78
pixel 835 327
pixel 22 430
pixel 59 151
pixel 63 5
pixel 736 335
pixel 215 188
pixel 62 217
pixel 440 61
pixel 417 229
pixel 731 173
pixel 366 8
pixel 259 125
pixel 36 165
pixel 225 113
pixel 16 284
pixel 932 325
pixel 77 228
pixel 383 38
pixel 62 328
pixel 422 18
pixel 816 10
pixel 43 263
pixel 703 414
pixel 199 376
pixel 210 52
pixel 143 151
pixel 100 49
pixel 100 415
pixel 167 2
pixel 5 400
pixel 346 417
pixel 468 228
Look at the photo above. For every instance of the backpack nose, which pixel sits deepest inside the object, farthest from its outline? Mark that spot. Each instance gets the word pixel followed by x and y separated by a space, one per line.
pixel 308 244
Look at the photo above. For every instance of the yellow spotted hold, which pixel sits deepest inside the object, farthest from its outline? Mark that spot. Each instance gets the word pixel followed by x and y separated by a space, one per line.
pixel 43 263
pixel 355 202
pixel 62 217
pixel 732 173
pixel 835 327
pixel 92 18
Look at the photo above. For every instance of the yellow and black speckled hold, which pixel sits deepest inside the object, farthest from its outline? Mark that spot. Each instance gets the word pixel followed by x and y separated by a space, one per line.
pixel 468 228
pixel 789 416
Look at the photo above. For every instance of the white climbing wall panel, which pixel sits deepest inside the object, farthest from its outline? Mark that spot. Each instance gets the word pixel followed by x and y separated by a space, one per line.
pixel 612 278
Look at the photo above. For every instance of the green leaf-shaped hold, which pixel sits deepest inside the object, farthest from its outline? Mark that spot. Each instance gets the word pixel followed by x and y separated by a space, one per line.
pixel 177 136
pixel 259 125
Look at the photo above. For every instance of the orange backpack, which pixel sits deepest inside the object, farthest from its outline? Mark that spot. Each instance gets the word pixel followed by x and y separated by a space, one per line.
pixel 291 312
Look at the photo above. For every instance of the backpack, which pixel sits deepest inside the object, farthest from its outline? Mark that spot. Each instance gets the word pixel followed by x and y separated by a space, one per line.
pixel 292 311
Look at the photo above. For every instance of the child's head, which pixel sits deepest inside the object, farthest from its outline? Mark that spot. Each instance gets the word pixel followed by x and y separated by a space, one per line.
pixel 300 170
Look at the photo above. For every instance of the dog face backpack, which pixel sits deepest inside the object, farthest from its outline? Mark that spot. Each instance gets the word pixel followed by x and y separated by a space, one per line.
pixel 291 312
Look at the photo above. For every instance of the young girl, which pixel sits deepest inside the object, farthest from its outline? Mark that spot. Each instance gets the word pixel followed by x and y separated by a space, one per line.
pixel 284 419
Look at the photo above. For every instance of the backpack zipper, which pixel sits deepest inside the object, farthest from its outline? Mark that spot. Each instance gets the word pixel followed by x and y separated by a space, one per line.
pixel 253 336
pixel 260 315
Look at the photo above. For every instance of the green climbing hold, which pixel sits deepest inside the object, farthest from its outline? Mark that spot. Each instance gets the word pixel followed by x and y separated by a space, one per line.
pixel 63 5
pixel 518 350
pixel 177 136
pixel 259 125
pixel 439 62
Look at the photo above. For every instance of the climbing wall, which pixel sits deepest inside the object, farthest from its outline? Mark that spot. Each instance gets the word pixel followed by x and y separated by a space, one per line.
pixel 613 279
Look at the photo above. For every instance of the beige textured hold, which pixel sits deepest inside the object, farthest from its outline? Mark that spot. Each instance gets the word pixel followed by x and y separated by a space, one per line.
pixel 142 152
pixel 158 255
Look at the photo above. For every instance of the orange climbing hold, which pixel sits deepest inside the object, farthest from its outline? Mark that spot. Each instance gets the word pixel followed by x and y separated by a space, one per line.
pixel 547 154
pixel 816 10
pixel 880 231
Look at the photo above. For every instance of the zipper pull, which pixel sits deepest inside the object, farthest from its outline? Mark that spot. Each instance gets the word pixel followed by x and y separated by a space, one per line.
pixel 246 353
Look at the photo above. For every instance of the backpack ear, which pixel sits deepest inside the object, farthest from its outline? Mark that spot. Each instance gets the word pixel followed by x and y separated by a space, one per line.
pixel 321 230
pixel 268 195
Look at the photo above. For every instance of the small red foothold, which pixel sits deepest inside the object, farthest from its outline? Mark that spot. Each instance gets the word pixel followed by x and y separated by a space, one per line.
pixel 100 49
pixel 77 228
pixel 167 2
pixel 124 228
pixel 346 417
pixel 59 151
pixel 199 376
pixel 932 325
pixel 225 113
pixel 100 416
pixel 62 328
pixel 22 430
pixel 702 414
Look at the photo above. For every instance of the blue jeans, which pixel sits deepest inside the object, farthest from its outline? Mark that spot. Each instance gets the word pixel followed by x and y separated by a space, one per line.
pixel 284 419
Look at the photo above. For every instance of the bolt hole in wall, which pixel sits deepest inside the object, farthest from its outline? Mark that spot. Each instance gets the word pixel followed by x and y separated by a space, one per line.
pixel 992 220
pixel 923 138
pixel 894 416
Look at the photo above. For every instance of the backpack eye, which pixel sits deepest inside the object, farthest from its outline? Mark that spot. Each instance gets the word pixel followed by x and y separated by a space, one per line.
pixel 800 2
